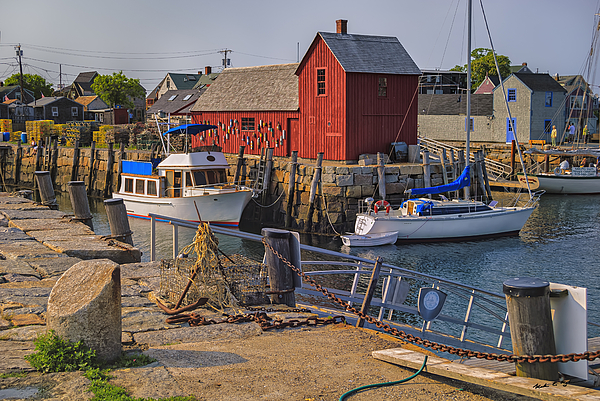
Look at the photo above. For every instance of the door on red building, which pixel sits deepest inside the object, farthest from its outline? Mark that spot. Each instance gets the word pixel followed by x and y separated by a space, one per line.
pixel 292 136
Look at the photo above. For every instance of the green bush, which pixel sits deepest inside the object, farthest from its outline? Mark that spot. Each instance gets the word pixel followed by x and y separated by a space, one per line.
pixel 55 354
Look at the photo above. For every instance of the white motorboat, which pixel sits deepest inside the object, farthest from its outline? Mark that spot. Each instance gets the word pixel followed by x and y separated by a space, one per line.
pixel 373 239
pixel 189 186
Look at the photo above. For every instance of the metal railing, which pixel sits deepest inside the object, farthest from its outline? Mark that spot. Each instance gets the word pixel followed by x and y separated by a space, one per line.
pixel 473 317
pixel 494 168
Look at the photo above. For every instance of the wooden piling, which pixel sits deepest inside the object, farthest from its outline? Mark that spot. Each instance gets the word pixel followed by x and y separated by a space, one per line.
pixel 92 167
pixel 478 165
pixel 281 277
pixel 79 202
pixel 44 184
pixel 486 179
pixel 531 330
pixel 513 151
pixel 120 163
pixel 240 164
pixel 313 189
pixel 75 165
pixel 426 171
pixel 54 160
pixel 109 170
pixel 370 291
pixel 117 219
pixel 17 161
pixel 291 189
pixel 381 174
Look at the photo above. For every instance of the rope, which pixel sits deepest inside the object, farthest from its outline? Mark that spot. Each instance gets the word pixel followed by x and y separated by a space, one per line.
pixel 385 384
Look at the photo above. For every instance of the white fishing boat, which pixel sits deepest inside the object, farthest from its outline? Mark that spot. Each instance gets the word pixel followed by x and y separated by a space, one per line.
pixel 188 186
pixel 373 239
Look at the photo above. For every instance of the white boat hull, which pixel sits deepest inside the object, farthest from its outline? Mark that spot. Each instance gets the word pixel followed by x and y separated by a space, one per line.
pixel 569 184
pixel 372 239
pixel 222 209
pixel 500 221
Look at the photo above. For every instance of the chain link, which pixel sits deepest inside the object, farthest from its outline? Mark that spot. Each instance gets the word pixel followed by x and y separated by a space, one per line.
pixel 590 356
pixel 263 320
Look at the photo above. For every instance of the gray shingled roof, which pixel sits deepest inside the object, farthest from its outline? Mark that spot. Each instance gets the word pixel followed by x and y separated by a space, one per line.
pixel 176 105
pixel 263 88
pixel 454 104
pixel 370 54
pixel 539 82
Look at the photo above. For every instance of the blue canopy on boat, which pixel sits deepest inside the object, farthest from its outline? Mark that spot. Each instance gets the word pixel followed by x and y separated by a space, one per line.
pixel 190 129
pixel 463 181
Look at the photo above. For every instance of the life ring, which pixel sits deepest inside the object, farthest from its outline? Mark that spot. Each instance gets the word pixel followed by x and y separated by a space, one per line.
pixel 381 204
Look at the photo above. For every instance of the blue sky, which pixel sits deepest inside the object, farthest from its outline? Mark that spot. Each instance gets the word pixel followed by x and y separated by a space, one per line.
pixel 148 38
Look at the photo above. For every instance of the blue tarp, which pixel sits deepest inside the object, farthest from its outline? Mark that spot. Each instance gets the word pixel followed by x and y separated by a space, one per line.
pixel 191 129
pixel 463 181
pixel 135 167
pixel 423 206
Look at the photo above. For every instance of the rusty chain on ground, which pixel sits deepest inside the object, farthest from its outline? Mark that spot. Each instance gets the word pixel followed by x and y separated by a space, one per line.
pixel 430 344
pixel 263 320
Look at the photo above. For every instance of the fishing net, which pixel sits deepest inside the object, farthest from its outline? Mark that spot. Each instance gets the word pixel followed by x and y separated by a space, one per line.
pixel 227 282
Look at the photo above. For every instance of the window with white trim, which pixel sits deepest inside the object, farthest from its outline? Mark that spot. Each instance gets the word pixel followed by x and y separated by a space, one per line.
pixel 54 111
pixel 74 111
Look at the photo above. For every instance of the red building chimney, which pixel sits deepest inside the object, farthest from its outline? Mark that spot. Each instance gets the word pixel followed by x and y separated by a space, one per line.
pixel 207 70
pixel 341 26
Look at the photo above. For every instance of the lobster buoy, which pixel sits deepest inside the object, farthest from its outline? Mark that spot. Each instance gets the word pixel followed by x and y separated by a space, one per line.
pixel 382 204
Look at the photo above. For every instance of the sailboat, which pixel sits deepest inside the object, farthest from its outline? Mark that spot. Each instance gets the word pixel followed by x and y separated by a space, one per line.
pixel 425 219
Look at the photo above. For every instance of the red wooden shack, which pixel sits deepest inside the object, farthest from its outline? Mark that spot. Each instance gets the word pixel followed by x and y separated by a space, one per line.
pixel 350 94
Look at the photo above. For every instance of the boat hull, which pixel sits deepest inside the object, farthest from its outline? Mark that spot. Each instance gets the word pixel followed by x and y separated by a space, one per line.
pixel 454 227
pixel 222 209
pixel 569 184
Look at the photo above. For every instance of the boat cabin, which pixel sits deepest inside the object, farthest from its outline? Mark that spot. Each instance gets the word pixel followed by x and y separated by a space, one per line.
pixel 179 175
pixel 427 207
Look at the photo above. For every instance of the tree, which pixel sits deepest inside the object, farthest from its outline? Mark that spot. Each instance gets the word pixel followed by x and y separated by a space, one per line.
pixel 38 85
pixel 117 89
pixel 482 63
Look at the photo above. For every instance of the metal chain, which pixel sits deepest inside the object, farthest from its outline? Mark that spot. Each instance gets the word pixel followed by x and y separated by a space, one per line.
pixel 263 320
pixel 590 356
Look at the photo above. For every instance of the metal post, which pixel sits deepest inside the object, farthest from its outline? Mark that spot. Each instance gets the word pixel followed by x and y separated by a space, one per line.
pixel 370 291
pixel 381 174
pixel 152 238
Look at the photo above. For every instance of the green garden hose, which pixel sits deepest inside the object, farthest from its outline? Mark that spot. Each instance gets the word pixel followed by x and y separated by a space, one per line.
pixel 356 390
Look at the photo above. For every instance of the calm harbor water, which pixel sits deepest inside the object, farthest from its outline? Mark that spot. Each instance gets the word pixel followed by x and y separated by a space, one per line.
pixel 560 243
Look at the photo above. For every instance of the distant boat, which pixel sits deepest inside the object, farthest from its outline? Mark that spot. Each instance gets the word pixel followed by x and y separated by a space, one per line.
pixel 189 186
pixel 576 180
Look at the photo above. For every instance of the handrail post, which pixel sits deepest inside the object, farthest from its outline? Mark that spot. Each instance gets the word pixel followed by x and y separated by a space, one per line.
pixel 370 291
pixel 175 240
pixel 152 238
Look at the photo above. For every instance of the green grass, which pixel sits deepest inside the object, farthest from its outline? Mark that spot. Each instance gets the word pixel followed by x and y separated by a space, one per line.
pixel 55 354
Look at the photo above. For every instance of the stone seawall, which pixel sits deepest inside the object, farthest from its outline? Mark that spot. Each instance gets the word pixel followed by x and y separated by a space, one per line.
pixel 342 189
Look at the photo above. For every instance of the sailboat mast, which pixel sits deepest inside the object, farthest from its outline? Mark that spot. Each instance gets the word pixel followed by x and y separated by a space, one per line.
pixel 468 121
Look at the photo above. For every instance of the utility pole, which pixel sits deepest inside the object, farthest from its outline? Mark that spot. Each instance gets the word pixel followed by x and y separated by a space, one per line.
pixel 225 59
pixel 20 53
